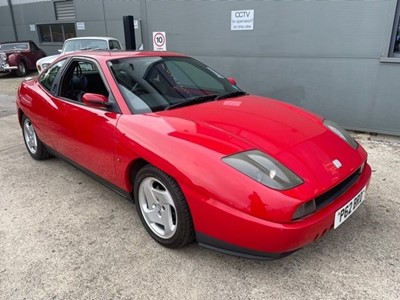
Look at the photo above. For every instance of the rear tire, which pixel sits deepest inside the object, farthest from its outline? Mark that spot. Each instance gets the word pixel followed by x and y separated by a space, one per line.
pixel 22 70
pixel 162 208
pixel 33 144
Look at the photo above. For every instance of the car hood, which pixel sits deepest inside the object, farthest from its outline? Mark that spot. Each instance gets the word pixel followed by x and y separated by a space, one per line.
pixel 47 59
pixel 296 138
pixel 13 51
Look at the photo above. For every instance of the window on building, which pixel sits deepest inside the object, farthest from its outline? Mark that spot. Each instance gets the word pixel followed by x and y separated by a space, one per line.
pixel 56 33
pixel 394 50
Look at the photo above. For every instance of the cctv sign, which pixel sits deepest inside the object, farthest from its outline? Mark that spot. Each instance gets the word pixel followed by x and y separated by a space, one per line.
pixel 242 19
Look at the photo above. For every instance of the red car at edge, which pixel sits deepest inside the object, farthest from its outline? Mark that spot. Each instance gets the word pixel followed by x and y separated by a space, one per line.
pixel 202 159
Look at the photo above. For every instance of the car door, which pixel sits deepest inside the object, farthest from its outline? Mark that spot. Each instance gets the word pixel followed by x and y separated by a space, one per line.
pixel 28 55
pixel 83 134
pixel 36 53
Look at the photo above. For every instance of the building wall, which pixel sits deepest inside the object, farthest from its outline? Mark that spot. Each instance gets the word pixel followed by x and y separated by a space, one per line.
pixel 6 27
pixel 326 56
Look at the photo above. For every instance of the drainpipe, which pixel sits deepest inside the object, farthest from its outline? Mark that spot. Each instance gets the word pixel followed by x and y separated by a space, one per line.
pixel 104 16
pixel 12 19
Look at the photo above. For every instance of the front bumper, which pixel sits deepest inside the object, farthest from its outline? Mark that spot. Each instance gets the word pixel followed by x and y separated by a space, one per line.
pixel 7 68
pixel 252 237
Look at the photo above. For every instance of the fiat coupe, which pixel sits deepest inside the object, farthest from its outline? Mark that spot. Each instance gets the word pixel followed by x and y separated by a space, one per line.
pixel 201 159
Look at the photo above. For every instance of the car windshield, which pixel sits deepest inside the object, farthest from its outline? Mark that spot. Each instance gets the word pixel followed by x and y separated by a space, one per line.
pixel 84 44
pixel 151 84
pixel 14 46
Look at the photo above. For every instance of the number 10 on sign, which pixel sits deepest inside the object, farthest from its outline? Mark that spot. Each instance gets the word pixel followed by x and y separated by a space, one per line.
pixel 159 41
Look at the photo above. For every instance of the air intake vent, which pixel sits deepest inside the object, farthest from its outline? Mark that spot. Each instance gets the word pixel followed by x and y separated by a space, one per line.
pixel 337 191
pixel 65 10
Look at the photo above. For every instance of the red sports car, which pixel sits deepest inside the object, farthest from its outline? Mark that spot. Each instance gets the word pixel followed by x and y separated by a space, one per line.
pixel 202 159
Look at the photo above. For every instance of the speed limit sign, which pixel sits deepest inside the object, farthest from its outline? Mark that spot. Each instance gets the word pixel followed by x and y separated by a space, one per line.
pixel 159 41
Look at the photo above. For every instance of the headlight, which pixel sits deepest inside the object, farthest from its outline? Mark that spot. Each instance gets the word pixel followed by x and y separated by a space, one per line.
pixel 3 56
pixel 335 128
pixel 264 169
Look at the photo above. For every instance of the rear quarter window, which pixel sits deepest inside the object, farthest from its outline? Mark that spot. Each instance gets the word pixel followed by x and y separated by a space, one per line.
pixel 114 45
pixel 47 78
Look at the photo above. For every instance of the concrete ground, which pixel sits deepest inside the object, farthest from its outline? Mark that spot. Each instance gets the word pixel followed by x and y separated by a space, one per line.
pixel 65 236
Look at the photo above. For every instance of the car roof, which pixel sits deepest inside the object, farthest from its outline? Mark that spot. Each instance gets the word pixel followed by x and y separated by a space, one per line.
pixel 104 55
pixel 105 38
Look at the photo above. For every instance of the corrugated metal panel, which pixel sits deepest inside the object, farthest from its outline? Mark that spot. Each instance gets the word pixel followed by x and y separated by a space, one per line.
pixel 3 3
pixel 65 10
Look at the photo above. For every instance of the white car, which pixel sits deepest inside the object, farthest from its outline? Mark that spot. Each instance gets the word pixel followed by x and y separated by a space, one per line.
pixel 81 44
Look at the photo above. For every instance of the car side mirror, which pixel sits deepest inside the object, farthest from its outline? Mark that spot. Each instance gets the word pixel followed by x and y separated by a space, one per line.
pixel 95 100
pixel 231 80
pixel 59 50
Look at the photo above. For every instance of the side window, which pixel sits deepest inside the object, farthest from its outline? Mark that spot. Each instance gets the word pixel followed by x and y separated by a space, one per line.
pixel 87 66
pixel 82 76
pixel 47 78
pixel 33 47
pixel 114 45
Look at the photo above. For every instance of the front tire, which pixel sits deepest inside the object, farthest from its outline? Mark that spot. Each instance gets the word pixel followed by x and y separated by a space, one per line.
pixel 33 144
pixel 22 70
pixel 162 208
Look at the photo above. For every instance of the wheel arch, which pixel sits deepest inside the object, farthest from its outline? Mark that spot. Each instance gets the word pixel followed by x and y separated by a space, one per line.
pixel 13 58
pixel 138 163
pixel 20 115
pixel 18 58
pixel 133 170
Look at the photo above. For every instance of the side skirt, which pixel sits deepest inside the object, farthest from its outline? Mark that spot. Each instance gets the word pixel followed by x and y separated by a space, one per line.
pixel 96 177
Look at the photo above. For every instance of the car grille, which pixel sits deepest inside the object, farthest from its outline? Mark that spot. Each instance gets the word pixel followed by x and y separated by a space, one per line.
pixel 337 191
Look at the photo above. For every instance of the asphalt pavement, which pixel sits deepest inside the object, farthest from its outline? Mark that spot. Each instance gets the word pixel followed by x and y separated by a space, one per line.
pixel 65 236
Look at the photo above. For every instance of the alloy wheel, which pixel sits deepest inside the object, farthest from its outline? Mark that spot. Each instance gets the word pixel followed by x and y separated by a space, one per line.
pixel 30 136
pixel 158 208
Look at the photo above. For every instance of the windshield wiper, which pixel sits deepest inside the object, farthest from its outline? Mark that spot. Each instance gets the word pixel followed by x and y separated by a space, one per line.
pixel 231 95
pixel 192 101
pixel 205 98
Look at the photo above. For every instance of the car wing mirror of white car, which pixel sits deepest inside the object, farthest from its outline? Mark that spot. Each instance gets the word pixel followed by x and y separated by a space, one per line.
pixel 59 50
pixel 95 100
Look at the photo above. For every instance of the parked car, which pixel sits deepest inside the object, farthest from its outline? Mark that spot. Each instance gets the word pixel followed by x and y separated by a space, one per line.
pixel 81 44
pixel 201 158
pixel 19 57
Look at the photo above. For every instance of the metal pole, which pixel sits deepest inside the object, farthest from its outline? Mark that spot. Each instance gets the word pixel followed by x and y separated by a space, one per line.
pixel 104 16
pixel 129 33
pixel 12 19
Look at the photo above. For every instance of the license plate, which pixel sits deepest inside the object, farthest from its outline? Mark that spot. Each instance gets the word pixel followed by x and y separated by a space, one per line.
pixel 343 213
